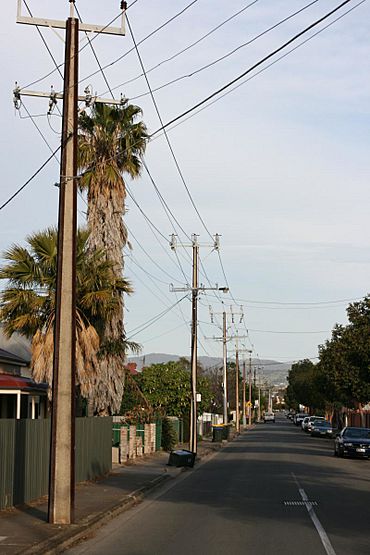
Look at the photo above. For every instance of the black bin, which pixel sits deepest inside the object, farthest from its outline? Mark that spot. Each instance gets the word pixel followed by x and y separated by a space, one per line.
pixel 181 457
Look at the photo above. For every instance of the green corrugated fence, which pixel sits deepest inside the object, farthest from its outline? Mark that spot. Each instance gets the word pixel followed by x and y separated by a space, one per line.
pixel 24 456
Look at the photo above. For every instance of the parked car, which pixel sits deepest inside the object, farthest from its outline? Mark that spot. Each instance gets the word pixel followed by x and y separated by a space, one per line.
pixel 304 423
pixel 321 428
pixel 353 441
pixel 269 417
pixel 311 421
pixel 299 417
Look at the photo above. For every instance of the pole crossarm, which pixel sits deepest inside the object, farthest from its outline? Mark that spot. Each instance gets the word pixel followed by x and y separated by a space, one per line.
pixel 53 96
pixel 59 24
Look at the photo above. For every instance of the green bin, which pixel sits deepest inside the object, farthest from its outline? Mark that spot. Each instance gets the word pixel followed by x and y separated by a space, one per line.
pixel 226 431
pixel 217 433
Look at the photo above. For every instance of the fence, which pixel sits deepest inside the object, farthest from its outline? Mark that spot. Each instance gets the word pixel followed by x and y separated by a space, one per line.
pixel 24 456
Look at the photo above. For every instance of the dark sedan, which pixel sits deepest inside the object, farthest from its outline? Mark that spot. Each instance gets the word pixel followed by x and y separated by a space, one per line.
pixel 353 441
pixel 321 428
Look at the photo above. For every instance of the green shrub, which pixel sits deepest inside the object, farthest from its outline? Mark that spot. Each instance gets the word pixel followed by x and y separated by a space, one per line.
pixel 169 436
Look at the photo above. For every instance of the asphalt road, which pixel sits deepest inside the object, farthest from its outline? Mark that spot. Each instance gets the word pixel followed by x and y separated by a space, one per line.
pixel 251 497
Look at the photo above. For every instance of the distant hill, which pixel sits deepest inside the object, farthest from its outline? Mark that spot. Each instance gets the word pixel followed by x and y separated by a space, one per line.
pixel 273 371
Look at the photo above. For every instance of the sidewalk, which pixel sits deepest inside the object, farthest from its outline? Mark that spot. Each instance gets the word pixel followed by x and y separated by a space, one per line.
pixel 25 530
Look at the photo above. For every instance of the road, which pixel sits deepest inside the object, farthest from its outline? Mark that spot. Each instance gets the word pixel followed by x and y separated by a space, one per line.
pixel 251 497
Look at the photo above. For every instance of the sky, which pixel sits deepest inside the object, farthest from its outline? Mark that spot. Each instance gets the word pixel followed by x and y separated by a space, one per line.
pixel 279 167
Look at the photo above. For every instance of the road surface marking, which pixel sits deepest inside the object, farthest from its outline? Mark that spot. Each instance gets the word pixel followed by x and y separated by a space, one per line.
pixel 2 538
pixel 320 530
pixel 299 503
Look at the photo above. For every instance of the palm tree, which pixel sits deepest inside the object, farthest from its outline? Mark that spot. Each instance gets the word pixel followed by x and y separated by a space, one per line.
pixel 111 143
pixel 27 306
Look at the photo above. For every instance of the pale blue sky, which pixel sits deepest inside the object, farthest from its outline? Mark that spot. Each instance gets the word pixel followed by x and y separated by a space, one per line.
pixel 279 167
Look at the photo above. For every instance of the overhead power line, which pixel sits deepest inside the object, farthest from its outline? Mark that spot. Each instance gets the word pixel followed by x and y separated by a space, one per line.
pixel 202 102
pixel 183 50
pixel 31 178
pixel 228 54
pixel 166 136
pixel 251 68
pixel 266 67
pixel 151 34
pixel 142 327
pixel 300 303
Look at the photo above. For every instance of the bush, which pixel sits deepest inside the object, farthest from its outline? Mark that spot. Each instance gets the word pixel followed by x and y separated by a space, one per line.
pixel 169 436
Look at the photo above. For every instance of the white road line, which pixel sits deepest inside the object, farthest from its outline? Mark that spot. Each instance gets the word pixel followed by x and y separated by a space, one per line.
pixel 320 530
pixel 2 538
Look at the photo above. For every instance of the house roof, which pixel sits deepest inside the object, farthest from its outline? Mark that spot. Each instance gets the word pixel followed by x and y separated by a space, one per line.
pixel 10 358
pixel 8 381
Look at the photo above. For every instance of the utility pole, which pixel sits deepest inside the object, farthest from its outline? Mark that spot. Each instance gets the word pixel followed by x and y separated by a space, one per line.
pixel 225 338
pixel 244 420
pixel 224 359
pixel 259 402
pixel 237 390
pixel 62 452
pixel 250 390
pixel 62 463
pixel 244 401
pixel 195 289
pixel 194 349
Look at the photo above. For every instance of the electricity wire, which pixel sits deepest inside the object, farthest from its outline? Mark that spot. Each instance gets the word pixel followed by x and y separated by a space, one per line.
pixel 251 68
pixel 265 68
pixel 187 47
pixel 227 55
pixel 152 33
pixel 153 320
pixel 165 132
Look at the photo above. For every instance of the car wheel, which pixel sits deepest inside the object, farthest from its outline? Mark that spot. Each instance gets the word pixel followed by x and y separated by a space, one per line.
pixel 341 453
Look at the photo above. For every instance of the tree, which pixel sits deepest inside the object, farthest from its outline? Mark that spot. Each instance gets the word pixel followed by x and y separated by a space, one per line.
pixel 304 386
pixel 166 388
pixel 111 142
pixel 27 306
pixel 345 358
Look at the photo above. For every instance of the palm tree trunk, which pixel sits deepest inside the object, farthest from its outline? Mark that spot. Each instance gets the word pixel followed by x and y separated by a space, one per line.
pixel 108 234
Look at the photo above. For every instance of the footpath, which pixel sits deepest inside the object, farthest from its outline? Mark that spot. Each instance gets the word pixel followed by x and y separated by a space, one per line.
pixel 25 530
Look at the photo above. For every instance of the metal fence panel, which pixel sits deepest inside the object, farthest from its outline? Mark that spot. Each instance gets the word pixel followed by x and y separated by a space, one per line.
pixel 25 450
pixel 93 447
pixel 6 462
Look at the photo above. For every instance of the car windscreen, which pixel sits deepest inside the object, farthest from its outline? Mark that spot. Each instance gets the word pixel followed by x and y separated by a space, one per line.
pixel 322 423
pixel 357 432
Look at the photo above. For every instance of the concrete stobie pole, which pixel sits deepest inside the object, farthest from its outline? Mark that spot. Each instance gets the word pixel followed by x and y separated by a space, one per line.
pixel 62 472
pixel 250 391
pixel 224 380
pixel 244 400
pixel 237 391
pixel 194 351
pixel 259 402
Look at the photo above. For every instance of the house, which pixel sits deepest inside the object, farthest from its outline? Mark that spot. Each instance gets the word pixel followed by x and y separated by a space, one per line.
pixel 20 396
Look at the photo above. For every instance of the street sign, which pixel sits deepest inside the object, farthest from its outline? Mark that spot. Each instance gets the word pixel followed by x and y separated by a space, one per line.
pixel 249 404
